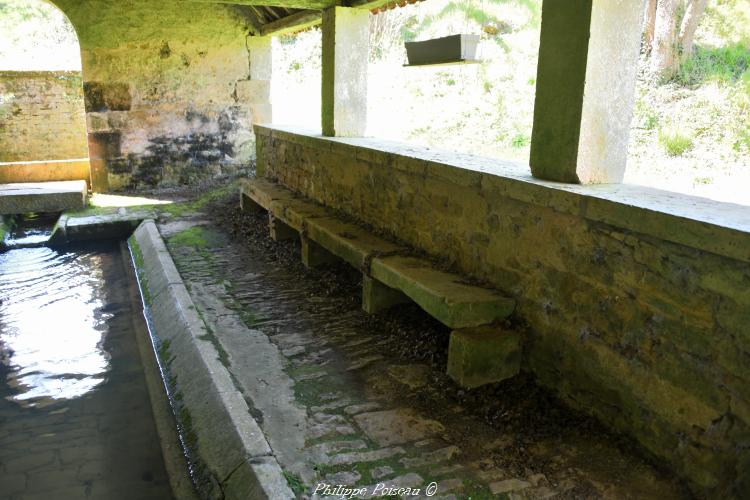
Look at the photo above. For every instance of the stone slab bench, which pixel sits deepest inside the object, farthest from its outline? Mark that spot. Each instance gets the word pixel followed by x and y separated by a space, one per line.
pixel 479 352
pixel 444 295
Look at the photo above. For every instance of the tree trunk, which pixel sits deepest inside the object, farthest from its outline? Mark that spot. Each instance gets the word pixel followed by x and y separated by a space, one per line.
pixel 690 23
pixel 649 21
pixel 665 37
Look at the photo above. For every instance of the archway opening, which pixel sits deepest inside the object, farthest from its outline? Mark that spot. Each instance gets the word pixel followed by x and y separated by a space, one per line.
pixel 42 115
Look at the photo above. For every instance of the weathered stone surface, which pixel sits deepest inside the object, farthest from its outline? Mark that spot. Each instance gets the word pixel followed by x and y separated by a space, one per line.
pixel 377 297
pixel 279 230
pixel 350 242
pixel 314 255
pixel 443 295
pixel 229 441
pixel 44 171
pixel 43 119
pixel 508 485
pixel 400 426
pixel 263 192
pixel 412 376
pixel 635 298
pixel 483 355
pixel 23 198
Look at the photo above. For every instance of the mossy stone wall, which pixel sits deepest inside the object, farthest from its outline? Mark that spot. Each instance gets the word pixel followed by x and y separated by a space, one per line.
pixel 648 334
pixel 160 90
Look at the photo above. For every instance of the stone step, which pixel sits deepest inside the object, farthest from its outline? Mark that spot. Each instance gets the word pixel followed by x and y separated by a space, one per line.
pixel 40 197
pixel 443 295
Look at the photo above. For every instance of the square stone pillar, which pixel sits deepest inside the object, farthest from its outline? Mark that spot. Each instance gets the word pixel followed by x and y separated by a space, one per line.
pixel 585 87
pixel 346 42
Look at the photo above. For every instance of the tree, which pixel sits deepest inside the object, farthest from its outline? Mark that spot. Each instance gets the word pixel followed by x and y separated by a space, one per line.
pixel 650 20
pixel 689 24
pixel 667 46
pixel 664 47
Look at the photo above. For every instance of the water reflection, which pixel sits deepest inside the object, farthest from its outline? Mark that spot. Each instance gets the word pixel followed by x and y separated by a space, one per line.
pixel 52 325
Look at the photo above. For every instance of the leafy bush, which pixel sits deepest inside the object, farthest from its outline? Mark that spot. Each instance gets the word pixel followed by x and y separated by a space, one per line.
pixel 675 141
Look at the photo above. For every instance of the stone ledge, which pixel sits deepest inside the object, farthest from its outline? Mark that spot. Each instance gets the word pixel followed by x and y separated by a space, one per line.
pixel 700 223
pixel 228 440
pixel 35 197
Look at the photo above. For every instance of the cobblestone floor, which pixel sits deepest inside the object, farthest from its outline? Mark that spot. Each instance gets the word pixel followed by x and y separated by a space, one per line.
pixel 101 444
pixel 352 400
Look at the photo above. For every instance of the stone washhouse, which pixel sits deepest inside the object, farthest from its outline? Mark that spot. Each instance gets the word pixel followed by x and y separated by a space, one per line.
pixel 636 301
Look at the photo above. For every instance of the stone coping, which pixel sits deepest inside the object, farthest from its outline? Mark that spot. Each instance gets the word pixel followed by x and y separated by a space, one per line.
pixel 227 439
pixel 700 223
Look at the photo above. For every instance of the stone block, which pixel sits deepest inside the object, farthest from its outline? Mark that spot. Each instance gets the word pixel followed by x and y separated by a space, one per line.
pixel 34 197
pixel 445 296
pixel 279 230
pixel 263 192
pixel 313 255
pixel 377 297
pixel 295 212
pixel 483 355
pixel 350 242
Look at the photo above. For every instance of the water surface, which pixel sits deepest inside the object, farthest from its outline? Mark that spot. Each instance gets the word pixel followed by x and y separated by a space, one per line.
pixel 75 416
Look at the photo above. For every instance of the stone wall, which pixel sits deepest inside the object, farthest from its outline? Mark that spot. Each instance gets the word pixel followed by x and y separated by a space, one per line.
pixel 637 300
pixel 160 83
pixel 41 116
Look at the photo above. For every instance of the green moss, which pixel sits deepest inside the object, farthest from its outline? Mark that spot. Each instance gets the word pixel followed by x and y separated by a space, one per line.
pixel 295 483
pixel 135 250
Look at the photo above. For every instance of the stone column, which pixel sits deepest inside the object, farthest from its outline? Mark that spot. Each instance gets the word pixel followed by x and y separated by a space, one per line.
pixel 346 42
pixel 585 87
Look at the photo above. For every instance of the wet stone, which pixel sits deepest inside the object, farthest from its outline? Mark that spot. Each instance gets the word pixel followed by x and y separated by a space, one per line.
pixel 346 478
pixel 434 457
pixel 508 485
pixel 397 426
pixel 366 456
pixel 412 376
pixel 361 408
pixel 380 472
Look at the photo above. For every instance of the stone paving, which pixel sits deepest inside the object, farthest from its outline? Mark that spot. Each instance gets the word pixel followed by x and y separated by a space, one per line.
pixel 344 405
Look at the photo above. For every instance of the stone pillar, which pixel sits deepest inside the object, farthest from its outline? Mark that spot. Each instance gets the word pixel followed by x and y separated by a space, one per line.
pixel 346 42
pixel 585 87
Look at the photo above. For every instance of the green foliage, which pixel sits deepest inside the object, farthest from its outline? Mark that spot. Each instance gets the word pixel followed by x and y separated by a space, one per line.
pixel 478 14
pixel 35 33
pixel 295 483
pixel 723 64
pixel 675 141
pixel 520 141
